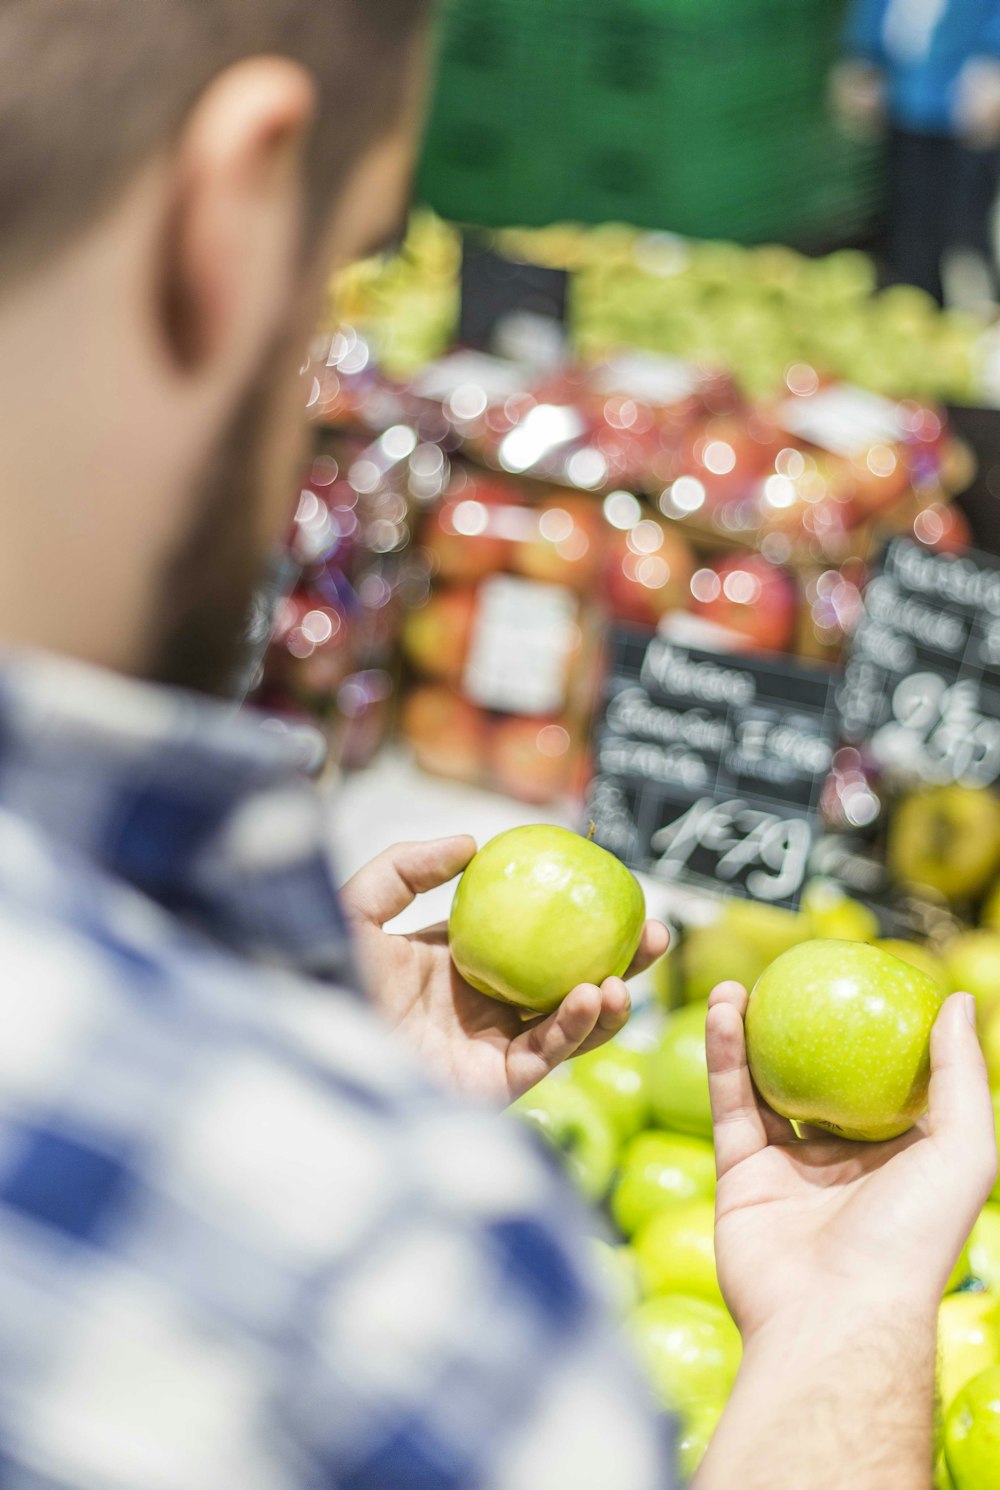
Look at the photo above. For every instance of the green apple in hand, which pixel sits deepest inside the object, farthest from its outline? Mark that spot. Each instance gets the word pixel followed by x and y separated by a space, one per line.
pixel 838 1036
pixel 617 1077
pixel 679 1073
pixel 918 956
pixel 657 1170
pixel 984 1248
pixel 574 1125
pixel 690 1347
pixel 972 1433
pixel 968 1341
pixel 675 1251
pixel 540 910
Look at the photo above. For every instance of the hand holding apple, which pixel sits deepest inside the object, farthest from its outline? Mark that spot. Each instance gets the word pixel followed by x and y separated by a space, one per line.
pixel 802 1220
pixel 473 1042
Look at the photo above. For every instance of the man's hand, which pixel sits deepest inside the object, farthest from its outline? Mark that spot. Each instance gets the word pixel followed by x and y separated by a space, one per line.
pixel 833 1257
pixel 801 1217
pixel 482 1047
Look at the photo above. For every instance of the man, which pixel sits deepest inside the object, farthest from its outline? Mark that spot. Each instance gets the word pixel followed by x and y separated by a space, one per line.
pixel 245 1240
pixel 930 70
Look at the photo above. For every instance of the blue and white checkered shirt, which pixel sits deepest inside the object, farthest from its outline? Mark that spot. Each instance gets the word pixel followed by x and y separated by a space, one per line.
pixel 243 1244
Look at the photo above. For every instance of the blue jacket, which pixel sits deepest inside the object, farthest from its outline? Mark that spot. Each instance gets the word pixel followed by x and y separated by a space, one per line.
pixel 922 46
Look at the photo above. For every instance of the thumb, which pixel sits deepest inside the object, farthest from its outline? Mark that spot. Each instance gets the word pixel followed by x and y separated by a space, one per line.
pixel 960 1108
pixel 392 881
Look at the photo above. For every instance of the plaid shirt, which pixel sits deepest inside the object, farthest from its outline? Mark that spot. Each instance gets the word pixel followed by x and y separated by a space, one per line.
pixel 243 1245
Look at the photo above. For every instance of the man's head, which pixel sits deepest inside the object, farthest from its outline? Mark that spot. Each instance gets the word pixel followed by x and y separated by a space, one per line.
pixel 177 178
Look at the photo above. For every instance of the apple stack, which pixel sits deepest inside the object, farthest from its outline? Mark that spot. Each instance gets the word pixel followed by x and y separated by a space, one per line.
pixel 632 1125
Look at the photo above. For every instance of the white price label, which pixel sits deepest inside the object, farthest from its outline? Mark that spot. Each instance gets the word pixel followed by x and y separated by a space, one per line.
pixel 496 377
pixel 651 379
pixel 519 657
pixel 846 421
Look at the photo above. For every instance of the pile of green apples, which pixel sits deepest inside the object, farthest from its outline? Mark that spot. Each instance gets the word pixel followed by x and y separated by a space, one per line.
pixel 748 311
pixel 632 1124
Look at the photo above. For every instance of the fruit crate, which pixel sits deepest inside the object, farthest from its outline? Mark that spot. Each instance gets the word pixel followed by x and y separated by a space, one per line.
pixel 707 117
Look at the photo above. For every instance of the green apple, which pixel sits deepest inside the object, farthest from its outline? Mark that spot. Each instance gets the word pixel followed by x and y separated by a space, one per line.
pixel 942 1479
pixel 538 911
pixel 574 1125
pixel 918 956
pixel 989 916
pixel 658 1170
pixel 991 1045
pixel 616 1274
pixel 972 965
pixel 984 1248
pixel 675 1251
pixel 710 955
pixel 768 928
pixel 697 1427
pixel 961 1273
pixel 947 839
pixel 968 1341
pixel 838 1035
pixel 832 915
pixel 617 1077
pixel 690 1347
pixel 679 1073
pixel 972 1433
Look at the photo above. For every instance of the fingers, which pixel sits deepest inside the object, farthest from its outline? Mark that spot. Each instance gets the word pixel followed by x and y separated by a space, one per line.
pixel 393 880
pixel 536 1052
pixel 742 1124
pixel 655 941
pixel 960 1114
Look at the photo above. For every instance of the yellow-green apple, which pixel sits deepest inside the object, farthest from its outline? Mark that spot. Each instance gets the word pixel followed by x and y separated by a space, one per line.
pixel 838 1035
pixel 768 928
pixel 946 838
pixel 576 1128
pixel 679 1073
pixel 617 1077
pixel 675 1251
pixel 972 965
pixel 616 1274
pixel 658 1170
pixel 991 1045
pixel 696 1429
pixel 918 956
pixel 540 910
pixel 961 1273
pixel 968 1341
pixel 832 915
pixel 972 1433
pixel 690 1347
pixel 709 955
pixel 984 1248
pixel 989 916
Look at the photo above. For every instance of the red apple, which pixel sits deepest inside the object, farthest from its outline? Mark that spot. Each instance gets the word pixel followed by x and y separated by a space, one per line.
pixel 647 573
pixel 463 537
pixel 567 542
pixel 311 650
pixel 531 759
pixel 448 735
pixel 436 636
pixel 943 528
pixel 749 595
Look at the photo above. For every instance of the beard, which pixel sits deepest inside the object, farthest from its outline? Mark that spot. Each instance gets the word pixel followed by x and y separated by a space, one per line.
pixel 206 637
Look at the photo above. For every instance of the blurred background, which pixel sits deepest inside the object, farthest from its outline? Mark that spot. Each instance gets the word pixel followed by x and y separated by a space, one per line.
pixel 696 313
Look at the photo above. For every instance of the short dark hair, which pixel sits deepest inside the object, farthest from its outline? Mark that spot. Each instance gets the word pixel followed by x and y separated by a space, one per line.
pixel 92 89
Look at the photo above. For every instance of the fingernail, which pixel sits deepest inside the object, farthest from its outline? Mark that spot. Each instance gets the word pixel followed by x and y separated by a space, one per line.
pixel 970 1009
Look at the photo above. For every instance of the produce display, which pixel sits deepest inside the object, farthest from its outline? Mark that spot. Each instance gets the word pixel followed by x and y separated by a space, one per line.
pixel 753 311
pixel 838 1035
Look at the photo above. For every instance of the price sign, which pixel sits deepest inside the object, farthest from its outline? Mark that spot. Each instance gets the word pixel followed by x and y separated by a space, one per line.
pixel 922 687
pixel 709 767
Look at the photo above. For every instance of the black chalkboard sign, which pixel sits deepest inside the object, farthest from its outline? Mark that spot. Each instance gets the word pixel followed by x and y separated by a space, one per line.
pixel 709 767
pixel 922 687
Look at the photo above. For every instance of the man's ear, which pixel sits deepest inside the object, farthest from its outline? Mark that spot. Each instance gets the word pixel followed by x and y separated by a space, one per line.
pixel 231 245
